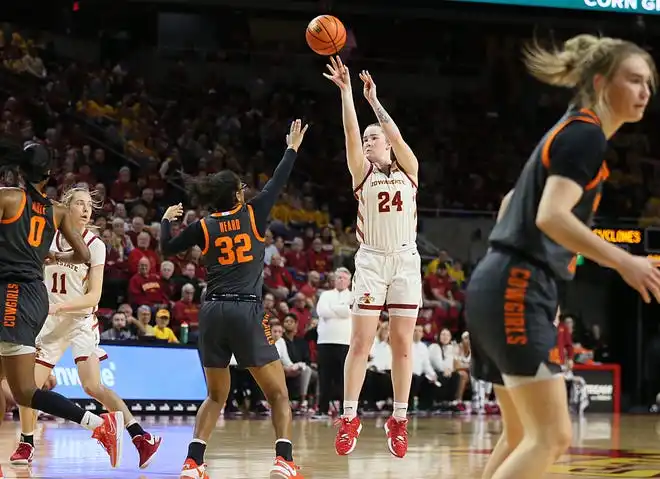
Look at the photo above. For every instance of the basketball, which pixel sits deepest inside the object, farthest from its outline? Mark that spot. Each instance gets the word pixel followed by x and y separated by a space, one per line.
pixel 326 35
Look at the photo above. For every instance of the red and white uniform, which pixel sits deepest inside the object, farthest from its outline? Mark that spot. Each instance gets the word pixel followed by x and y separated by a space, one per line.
pixel 78 329
pixel 387 264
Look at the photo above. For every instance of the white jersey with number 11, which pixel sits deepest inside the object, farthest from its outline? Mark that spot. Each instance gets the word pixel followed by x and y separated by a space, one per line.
pixel 66 281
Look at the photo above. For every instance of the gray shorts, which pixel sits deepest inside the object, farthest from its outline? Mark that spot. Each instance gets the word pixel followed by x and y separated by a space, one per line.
pixel 238 328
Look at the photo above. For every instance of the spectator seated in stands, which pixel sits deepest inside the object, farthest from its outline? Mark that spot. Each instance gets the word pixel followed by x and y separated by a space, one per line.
pixel 319 259
pixel 297 262
pixel 594 341
pixel 138 226
pixel 462 362
pixel 145 288
pixel 143 251
pixel 268 303
pixel 188 276
pixel 118 332
pixel 297 374
pixel 167 285
pixel 425 385
pixel 299 353
pixel 123 190
pixel 442 356
pixel 439 293
pixel 162 331
pixel 122 239
pixel 142 327
pixel 377 390
pixel 186 310
pixel 430 324
pixel 271 249
pixel 277 279
pixel 303 311
pixel 311 289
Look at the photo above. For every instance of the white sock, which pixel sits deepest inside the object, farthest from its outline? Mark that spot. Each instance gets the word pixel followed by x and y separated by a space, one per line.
pixel 91 421
pixel 350 409
pixel 400 410
pixel 199 441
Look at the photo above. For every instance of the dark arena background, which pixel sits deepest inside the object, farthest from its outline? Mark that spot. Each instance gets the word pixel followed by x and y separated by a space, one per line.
pixel 130 95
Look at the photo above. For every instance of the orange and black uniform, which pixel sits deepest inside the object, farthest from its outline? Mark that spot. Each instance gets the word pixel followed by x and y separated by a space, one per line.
pixel 512 295
pixel 25 241
pixel 232 319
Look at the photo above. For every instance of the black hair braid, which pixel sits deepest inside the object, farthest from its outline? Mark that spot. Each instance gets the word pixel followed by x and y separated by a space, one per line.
pixel 31 161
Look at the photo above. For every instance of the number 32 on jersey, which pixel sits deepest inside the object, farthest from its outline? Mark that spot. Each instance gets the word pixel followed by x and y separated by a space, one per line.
pixel 234 249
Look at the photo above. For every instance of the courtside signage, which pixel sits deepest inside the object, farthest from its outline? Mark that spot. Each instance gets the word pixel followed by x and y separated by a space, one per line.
pixel 619 236
pixel 140 373
pixel 627 6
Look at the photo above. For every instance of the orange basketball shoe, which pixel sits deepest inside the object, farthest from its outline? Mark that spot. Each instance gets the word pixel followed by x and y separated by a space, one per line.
pixel 283 469
pixel 110 434
pixel 192 470
pixel 347 436
pixel 397 436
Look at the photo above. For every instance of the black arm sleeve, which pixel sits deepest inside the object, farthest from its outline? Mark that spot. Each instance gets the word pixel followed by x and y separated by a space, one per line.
pixel 265 200
pixel 577 152
pixel 189 237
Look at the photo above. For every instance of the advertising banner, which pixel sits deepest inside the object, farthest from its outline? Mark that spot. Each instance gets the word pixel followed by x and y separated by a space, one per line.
pixel 638 7
pixel 603 386
pixel 141 373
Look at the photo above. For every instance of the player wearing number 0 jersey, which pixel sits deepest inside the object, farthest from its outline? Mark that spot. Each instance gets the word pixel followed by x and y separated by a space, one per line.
pixel 232 320
pixel 28 221
pixel 387 264
pixel 74 291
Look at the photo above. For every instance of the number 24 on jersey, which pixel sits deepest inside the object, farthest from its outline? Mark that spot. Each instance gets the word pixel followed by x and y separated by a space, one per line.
pixel 385 204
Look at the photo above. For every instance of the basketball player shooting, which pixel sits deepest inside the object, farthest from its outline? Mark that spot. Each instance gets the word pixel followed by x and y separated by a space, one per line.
pixel 387 264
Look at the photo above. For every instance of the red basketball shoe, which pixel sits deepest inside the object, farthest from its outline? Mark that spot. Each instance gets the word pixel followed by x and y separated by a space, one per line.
pixel 347 436
pixel 22 455
pixel 397 436
pixel 147 446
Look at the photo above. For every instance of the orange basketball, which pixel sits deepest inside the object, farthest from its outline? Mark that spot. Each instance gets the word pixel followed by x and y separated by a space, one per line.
pixel 326 35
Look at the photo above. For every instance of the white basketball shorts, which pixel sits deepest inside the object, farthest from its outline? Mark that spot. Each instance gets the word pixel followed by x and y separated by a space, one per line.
pixel 60 332
pixel 383 278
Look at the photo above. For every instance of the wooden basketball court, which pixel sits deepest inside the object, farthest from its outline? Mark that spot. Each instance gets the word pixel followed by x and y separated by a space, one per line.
pixel 440 447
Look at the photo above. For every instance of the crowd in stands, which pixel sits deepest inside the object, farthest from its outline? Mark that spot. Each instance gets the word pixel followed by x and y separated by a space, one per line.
pixel 135 168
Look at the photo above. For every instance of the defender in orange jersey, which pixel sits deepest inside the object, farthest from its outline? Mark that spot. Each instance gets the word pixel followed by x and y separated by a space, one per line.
pixel 28 221
pixel 231 321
